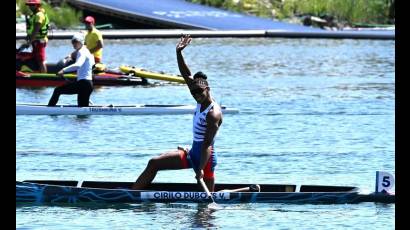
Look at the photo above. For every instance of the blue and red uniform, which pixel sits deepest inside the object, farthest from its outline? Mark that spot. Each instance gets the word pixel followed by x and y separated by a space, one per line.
pixel 199 128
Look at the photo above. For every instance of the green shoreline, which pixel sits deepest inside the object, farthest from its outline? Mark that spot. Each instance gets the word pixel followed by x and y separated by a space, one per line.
pixel 345 11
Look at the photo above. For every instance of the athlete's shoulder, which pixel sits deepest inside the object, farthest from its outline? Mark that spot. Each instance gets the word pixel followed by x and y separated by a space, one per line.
pixel 84 51
pixel 215 113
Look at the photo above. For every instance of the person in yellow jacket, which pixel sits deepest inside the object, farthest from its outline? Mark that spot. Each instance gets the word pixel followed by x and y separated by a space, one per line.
pixel 37 30
pixel 93 39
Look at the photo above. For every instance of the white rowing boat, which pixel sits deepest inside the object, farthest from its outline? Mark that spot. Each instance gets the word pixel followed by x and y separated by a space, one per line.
pixel 139 109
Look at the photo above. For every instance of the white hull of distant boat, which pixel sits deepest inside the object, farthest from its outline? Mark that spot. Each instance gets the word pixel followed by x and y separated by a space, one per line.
pixel 140 109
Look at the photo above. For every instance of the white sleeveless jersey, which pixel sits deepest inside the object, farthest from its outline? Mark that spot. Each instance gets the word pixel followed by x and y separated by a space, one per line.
pixel 199 123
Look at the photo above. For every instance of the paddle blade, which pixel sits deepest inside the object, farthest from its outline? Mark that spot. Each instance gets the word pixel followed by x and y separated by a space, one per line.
pixel 214 206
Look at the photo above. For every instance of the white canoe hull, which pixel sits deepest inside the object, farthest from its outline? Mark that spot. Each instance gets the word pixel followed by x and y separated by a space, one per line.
pixel 38 109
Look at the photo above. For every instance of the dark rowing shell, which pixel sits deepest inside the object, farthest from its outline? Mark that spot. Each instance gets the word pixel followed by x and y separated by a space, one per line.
pixel 119 192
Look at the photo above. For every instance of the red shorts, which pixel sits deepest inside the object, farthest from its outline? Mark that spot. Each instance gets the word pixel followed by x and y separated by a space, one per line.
pixel 39 50
pixel 208 170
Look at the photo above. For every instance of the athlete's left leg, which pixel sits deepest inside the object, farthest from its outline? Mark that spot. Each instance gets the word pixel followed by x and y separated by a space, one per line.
pixel 210 183
pixel 85 88
pixel 166 161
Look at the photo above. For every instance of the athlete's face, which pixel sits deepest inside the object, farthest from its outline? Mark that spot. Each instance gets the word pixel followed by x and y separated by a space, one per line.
pixel 199 94
pixel 76 45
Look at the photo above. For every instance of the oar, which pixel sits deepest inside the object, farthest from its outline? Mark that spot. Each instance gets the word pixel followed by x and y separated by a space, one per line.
pixel 205 188
pixel 212 205
pixel 201 181
pixel 250 188
pixel 23 47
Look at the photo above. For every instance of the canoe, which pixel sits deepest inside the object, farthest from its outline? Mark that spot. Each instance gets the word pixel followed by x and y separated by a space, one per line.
pixel 60 191
pixel 108 77
pixel 101 79
pixel 139 109
pixel 151 75
pixel 125 76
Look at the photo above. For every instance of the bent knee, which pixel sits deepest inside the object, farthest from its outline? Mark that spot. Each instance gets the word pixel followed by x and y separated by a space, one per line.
pixel 153 163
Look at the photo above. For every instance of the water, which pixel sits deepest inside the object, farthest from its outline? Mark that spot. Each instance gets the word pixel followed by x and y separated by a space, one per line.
pixel 311 112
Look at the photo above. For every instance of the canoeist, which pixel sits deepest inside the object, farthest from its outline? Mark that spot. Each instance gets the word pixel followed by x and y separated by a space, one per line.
pixel 206 122
pixel 83 86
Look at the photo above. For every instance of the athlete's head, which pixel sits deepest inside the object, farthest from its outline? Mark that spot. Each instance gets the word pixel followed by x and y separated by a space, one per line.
pixel 199 88
pixel 77 40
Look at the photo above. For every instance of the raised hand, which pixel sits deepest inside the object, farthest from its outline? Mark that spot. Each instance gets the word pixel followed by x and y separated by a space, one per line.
pixel 185 40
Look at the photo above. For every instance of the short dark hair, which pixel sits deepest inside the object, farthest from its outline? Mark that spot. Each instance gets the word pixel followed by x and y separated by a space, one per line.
pixel 200 79
pixel 200 75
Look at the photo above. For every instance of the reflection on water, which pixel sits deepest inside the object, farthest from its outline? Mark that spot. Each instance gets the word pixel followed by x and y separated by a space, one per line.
pixel 204 217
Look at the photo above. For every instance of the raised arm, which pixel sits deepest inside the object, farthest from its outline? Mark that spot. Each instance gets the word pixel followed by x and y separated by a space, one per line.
pixel 183 68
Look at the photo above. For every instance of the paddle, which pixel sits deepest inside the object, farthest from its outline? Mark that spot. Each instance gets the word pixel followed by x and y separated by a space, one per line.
pixel 201 181
pixel 205 188
pixel 23 47
pixel 250 188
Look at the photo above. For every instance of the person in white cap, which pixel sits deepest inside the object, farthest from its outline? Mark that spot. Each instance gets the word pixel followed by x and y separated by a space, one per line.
pixel 83 86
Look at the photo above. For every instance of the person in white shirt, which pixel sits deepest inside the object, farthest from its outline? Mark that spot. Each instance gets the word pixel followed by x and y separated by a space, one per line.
pixel 83 86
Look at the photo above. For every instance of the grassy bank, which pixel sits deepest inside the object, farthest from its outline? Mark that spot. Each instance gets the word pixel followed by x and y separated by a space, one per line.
pixel 349 11
pixel 63 17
